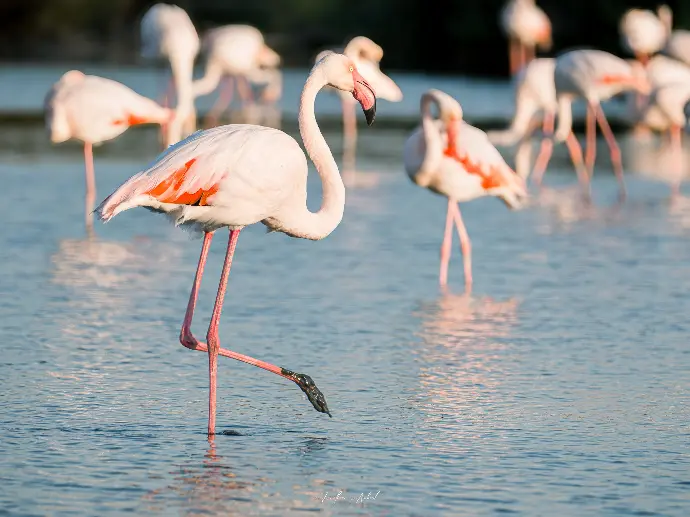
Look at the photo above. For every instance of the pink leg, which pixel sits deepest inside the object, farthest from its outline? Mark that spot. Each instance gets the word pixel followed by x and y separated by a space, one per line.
pixel 615 150
pixel 349 138
pixel 187 339
pixel 523 56
pixel 591 139
pixel 90 186
pixel 245 90
pixel 513 56
pixel 223 101
pixel 446 245
pixel 466 247
pixel 546 149
pixel 576 156
pixel 166 101
pixel 529 54
pixel 677 150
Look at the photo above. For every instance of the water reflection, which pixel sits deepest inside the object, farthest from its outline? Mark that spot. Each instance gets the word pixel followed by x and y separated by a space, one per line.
pixel 210 488
pixel 463 358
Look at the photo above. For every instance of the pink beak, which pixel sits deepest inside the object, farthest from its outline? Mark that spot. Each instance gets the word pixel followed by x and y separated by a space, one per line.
pixel 365 95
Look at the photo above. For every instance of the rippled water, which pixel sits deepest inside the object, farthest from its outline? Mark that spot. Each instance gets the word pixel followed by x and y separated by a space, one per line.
pixel 559 388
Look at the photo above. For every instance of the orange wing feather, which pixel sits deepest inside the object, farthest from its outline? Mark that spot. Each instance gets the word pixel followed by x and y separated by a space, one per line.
pixel 169 190
pixel 492 179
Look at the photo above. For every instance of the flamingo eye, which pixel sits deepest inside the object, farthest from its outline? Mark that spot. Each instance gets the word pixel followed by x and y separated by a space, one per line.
pixel 352 68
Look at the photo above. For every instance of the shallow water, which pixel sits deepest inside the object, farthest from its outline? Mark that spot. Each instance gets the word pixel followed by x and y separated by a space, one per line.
pixel 559 388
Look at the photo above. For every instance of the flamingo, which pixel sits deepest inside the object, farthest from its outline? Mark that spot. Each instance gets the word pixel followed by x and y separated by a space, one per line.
pixel 167 31
pixel 366 55
pixel 678 46
pixel 236 175
pixel 456 160
pixel 644 33
pixel 535 92
pixel 595 76
pixel 237 51
pixel 527 27
pixel 668 105
pixel 94 109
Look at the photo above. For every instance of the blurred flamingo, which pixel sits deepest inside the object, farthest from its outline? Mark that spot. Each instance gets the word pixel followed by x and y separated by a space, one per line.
pixel 93 109
pixel 366 55
pixel 237 175
pixel 456 160
pixel 644 33
pixel 669 104
pixel 535 93
pixel 527 27
pixel 167 31
pixel 595 76
pixel 239 52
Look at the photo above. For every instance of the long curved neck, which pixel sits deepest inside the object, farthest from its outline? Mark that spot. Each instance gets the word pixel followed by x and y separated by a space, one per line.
pixel 317 225
pixel 433 144
pixel 182 71
pixel 209 81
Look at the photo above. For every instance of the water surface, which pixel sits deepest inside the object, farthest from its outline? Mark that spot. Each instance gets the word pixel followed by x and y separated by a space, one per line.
pixel 560 387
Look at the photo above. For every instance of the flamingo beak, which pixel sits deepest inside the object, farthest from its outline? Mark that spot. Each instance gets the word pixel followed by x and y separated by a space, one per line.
pixel 364 94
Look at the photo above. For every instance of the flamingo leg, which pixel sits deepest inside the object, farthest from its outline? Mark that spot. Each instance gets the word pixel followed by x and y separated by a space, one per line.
pixel 591 139
pixel 529 54
pixel 188 340
pixel 349 138
pixel 546 148
pixel 446 245
pixel 614 149
pixel 90 197
pixel 245 90
pixel 513 55
pixel 677 150
pixel 466 247
pixel 576 157
pixel 168 93
pixel 223 101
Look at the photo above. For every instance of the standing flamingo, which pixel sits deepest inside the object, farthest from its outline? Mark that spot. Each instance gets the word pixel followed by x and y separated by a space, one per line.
pixel 668 105
pixel 239 52
pixel 366 55
pixel 527 27
pixel 535 92
pixel 236 175
pixel 595 76
pixel 644 33
pixel 167 31
pixel 93 109
pixel 456 160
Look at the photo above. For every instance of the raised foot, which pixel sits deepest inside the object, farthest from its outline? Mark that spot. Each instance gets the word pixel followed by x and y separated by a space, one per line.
pixel 309 388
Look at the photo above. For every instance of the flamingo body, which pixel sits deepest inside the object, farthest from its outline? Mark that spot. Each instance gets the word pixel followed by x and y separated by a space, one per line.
pixel 643 32
pixel 678 46
pixel 456 160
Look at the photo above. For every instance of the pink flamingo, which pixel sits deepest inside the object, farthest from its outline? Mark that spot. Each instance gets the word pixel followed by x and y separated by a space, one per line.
pixel 93 109
pixel 167 31
pixel 535 93
pixel 527 27
pixel 240 52
pixel 456 160
pixel 668 107
pixel 644 33
pixel 595 76
pixel 366 55
pixel 237 175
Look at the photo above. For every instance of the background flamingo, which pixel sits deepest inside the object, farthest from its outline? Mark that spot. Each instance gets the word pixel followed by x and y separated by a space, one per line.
pixel 644 33
pixel 456 160
pixel 167 31
pixel 535 93
pixel 595 76
pixel 237 52
pixel 527 27
pixel 366 55
pixel 93 109
pixel 237 175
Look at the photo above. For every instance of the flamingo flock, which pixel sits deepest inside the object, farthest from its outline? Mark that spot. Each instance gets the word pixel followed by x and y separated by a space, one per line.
pixel 233 176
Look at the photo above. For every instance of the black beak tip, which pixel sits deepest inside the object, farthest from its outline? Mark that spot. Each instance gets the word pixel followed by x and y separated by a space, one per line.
pixel 370 114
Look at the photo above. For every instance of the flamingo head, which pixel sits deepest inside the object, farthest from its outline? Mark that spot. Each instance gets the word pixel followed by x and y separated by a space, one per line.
pixel 341 73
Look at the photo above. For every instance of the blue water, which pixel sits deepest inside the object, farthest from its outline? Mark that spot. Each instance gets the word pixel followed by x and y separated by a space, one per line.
pixel 560 387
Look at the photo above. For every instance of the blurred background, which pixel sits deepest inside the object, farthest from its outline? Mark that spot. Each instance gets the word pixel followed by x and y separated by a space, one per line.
pixel 442 36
